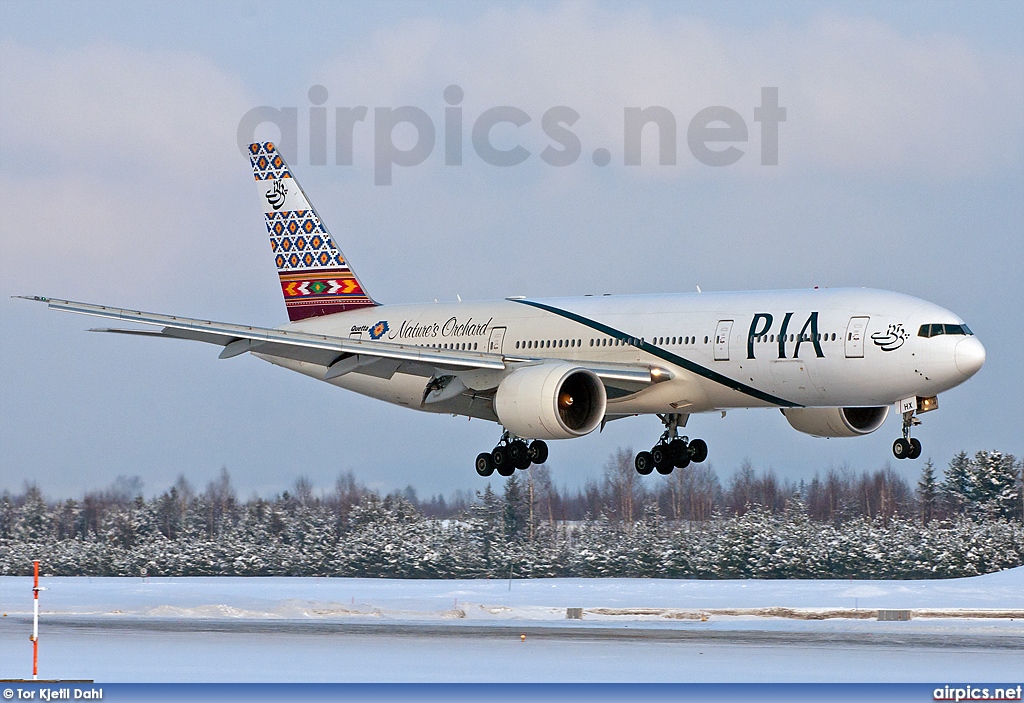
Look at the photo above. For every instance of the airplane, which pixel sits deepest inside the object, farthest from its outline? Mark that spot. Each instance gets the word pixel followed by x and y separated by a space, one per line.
pixel 834 361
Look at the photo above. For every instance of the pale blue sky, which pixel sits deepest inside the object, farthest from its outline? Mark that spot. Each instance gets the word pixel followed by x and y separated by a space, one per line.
pixel 901 167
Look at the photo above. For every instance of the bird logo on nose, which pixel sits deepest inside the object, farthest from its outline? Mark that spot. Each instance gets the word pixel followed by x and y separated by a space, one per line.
pixel 892 339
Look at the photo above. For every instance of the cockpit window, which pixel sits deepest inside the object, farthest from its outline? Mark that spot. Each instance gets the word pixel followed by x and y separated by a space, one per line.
pixel 934 330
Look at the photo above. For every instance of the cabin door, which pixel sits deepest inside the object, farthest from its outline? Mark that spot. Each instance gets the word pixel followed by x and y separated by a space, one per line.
pixel 722 335
pixel 855 337
pixel 497 337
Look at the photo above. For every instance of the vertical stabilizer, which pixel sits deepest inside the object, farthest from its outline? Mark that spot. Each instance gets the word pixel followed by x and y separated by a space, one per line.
pixel 315 278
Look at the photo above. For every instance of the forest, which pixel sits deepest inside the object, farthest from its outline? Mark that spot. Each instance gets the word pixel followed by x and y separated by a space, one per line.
pixel 962 520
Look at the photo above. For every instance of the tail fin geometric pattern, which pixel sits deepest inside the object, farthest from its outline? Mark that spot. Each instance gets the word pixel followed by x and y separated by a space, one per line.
pixel 315 278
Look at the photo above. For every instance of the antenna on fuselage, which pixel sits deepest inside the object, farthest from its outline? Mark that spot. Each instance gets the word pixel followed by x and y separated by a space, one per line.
pixel 699 290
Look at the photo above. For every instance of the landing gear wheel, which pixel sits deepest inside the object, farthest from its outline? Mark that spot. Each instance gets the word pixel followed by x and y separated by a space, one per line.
pixel 662 457
pixel 484 464
pixel 665 469
pixel 518 454
pixel 644 463
pixel 502 462
pixel 698 451
pixel 915 448
pixel 538 451
pixel 680 457
pixel 901 448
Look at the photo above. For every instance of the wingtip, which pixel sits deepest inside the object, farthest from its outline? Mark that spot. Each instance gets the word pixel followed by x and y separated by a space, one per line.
pixel 37 298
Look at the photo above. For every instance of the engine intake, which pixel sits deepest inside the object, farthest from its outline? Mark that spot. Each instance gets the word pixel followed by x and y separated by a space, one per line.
pixel 836 422
pixel 551 401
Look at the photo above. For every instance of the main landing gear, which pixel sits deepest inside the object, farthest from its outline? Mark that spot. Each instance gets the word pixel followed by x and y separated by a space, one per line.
pixel 511 453
pixel 907 447
pixel 671 451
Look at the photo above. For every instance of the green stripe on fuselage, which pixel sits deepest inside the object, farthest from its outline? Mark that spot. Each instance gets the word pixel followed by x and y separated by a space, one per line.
pixel 666 355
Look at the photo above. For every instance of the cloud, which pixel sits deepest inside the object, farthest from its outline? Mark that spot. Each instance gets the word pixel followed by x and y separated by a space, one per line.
pixel 172 114
pixel 860 94
pixel 114 155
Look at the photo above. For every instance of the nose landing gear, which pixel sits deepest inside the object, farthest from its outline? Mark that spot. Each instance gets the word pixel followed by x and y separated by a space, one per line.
pixel 907 447
pixel 671 451
pixel 511 453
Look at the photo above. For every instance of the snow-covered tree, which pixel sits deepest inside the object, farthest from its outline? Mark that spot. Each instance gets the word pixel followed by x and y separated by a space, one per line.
pixel 995 484
pixel 927 492
pixel 516 508
pixel 958 485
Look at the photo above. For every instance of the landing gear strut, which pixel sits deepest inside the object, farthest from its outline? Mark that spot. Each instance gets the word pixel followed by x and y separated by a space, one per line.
pixel 671 451
pixel 511 453
pixel 907 447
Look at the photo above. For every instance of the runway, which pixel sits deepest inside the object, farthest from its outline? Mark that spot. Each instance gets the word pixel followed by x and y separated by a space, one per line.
pixel 633 630
pixel 740 633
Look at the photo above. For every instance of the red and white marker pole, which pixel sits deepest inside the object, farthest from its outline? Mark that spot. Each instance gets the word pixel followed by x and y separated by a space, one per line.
pixel 35 620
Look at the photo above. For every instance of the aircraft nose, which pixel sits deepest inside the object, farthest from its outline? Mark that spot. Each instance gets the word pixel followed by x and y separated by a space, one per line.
pixel 969 355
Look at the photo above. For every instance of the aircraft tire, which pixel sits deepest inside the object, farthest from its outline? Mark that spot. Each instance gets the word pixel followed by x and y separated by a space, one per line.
pixel 677 450
pixel 662 456
pixel 698 451
pixel 519 454
pixel 538 451
pixel 502 462
pixel 665 469
pixel 644 463
pixel 484 464
pixel 901 448
pixel 915 448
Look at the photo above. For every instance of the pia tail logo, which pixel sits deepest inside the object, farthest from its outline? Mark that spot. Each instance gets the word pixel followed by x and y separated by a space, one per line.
pixel 277 194
pixel 892 339
pixel 379 330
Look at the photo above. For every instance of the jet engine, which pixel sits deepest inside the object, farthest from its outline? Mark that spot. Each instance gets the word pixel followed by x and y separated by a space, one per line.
pixel 836 422
pixel 550 401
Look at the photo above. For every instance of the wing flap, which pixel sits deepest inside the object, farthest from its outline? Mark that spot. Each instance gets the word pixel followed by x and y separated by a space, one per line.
pixel 325 350
pixel 224 333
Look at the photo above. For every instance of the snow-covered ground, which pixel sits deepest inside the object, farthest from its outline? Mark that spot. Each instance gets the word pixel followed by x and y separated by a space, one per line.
pixel 305 629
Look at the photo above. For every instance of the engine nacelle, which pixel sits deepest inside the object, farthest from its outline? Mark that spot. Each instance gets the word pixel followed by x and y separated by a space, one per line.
pixel 836 422
pixel 550 401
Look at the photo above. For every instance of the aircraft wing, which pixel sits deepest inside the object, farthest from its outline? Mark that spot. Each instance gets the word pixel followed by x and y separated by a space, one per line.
pixel 340 354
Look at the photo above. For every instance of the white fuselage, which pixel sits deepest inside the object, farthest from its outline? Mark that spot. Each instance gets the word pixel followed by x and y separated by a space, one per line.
pixel 810 348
